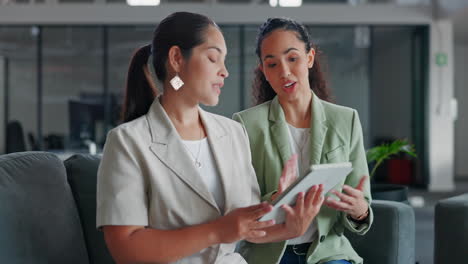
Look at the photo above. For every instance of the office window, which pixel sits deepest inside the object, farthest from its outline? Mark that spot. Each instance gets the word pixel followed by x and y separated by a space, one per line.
pixel 72 87
pixel 84 70
pixel 123 41
pixel 230 99
pixel 250 62
pixel 18 79
pixel 344 56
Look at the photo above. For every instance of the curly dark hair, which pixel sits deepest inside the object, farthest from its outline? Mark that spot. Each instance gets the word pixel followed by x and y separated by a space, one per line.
pixel 262 90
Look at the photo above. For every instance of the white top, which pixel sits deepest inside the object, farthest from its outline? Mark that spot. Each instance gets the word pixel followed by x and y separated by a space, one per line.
pixel 299 141
pixel 200 150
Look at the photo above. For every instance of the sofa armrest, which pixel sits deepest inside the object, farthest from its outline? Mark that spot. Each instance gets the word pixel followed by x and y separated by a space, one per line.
pixel 451 230
pixel 391 239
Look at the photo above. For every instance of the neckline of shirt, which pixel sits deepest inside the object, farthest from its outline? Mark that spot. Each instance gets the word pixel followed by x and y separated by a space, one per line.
pixel 298 128
pixel 193 142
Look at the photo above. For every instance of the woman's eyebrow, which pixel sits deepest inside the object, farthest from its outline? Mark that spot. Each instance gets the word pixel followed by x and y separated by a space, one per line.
pixel 284 52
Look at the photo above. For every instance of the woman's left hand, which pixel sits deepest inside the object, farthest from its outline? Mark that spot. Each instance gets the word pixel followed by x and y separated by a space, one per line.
pixel 351 200
pixel 288 176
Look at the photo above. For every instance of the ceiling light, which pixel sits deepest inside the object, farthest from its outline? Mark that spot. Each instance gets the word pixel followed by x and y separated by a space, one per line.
pixel 143 2
pixel 286 3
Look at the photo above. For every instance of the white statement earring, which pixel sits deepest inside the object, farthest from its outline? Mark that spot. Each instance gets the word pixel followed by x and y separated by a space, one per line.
pixel 176 82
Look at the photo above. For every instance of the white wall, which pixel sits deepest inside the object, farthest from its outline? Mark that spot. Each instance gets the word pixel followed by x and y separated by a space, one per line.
pixel 441 122
pixel 461 124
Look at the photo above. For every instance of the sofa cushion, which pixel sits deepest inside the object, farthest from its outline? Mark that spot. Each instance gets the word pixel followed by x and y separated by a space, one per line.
pixel 39 222
pixel 391 239
pixel 451 230
pixel 82 176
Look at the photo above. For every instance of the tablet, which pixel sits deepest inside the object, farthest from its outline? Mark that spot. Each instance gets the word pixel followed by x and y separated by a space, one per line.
pixel 330 175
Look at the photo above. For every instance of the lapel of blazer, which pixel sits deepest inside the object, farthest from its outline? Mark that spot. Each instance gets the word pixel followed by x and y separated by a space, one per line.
pixel 279 130
pixel 168 147
pixel 221 144
pixel 318 130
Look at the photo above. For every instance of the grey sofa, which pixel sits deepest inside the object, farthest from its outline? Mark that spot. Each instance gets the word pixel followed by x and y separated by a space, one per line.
pixel 47 215
pixel 47 210
pixel 451 230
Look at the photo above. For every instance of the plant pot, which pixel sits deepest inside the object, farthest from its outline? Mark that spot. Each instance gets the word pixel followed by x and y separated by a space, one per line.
pixel 389 192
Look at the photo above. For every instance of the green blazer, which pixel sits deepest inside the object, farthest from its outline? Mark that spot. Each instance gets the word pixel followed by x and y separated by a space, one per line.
pixel 336 136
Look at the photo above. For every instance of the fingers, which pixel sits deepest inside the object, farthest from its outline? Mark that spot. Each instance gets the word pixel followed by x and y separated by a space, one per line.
pixel 256 214
pixel 256 211
pixel 293 158
pixel 314 200
pixel 362 183
pixel 318 199
pixel 257 207
pixel 344 198
pixel 350 201
pixel 337 205
pixel 282 183
pixel 289 174
pixel 351 191
pixel 261 224
pixel 288 209
pixel 291 167
pixel 311 194
pixel 314 194
pixel 252 234
pixel 299 207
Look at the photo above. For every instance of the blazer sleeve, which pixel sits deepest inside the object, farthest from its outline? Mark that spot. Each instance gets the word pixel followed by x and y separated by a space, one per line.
pixel 357 156
pixel 121 190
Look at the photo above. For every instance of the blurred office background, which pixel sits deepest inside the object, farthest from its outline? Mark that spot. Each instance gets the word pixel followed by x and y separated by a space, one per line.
pixel 65 84
pixel 400 63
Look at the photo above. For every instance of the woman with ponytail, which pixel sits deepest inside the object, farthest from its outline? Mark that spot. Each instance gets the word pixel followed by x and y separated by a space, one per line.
pixel 176 183
pixel 294 115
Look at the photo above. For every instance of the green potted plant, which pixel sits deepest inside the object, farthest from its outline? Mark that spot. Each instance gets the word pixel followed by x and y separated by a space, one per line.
pixel 376 156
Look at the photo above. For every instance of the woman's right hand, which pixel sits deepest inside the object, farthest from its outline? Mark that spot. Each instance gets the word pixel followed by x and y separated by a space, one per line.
pixel 243 223
pixel 300 216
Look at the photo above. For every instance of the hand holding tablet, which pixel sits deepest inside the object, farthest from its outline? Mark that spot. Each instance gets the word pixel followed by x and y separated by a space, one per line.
pixel 329 175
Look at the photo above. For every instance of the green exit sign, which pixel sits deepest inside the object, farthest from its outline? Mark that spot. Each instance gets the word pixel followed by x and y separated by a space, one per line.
pixel 441 59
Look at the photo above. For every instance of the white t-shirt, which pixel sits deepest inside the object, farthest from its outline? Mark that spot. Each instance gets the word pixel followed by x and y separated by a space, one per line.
pixel 299 141
pixel 200 150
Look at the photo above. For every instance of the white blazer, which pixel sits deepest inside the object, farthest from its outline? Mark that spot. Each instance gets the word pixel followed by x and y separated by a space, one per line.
pixel 147 178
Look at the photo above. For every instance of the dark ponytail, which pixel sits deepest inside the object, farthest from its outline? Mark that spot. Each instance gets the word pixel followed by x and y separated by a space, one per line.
pixel 262 90
pixel 141 89
pixel 183 29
